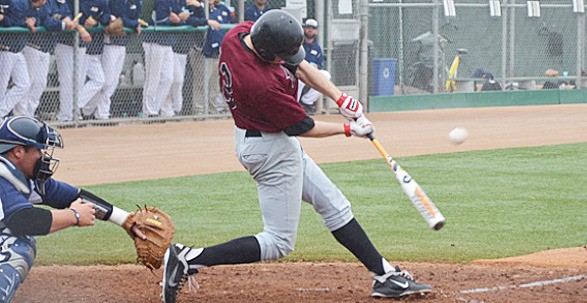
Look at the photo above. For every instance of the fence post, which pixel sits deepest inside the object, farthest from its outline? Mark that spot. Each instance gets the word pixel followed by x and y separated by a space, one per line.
pixel 364 56
pixel 580 48
pixel 436 47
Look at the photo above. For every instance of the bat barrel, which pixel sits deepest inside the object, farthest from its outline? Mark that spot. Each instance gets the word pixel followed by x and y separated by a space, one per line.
pixel 437 222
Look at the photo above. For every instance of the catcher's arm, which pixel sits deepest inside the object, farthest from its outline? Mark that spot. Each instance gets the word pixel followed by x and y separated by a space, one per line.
pixel 108 212
pixel 150 228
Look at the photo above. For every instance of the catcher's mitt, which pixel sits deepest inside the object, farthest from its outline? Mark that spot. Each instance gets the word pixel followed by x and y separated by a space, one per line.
pixel 158 228
pixel 115 28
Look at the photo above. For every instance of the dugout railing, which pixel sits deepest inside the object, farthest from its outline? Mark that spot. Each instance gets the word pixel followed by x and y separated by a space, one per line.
pixel 127 102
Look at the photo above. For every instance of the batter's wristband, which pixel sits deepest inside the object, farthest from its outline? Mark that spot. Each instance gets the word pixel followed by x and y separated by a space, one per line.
pixel 341 99
pixel 77 216
pixel 347 129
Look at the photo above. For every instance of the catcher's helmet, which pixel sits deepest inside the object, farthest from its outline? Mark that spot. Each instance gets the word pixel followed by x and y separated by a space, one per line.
pixel 277 33
pixel 25 131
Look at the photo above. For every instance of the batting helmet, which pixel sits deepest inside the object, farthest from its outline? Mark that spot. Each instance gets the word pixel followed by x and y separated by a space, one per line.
pixel 25 131
pixel 277 33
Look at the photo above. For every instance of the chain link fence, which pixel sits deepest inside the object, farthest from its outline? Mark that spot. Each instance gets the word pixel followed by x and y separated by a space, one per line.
pixel 497 47
pixel 410 46
pixel 161 74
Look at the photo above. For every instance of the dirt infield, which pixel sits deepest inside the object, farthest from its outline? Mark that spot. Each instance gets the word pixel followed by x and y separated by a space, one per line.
pixel 96 155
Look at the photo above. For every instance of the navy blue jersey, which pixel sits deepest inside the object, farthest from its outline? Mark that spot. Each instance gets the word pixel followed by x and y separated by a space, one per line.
pixel 314 53
pixel 162 10
pixel 100 11
pixel 223 15
pixel 65 10
pixel 252 12
pixel 17 192
pixel 197 16
pixel 129 11
pixel 49 16
pixel 14 15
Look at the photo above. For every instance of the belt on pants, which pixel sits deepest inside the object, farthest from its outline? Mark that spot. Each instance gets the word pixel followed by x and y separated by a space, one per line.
pixel 252 133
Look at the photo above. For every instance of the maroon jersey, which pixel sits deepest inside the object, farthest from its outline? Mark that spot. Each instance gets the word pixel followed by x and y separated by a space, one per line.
pixel 261 95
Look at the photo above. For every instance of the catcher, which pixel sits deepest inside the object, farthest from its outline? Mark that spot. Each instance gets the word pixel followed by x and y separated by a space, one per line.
pixel 26 167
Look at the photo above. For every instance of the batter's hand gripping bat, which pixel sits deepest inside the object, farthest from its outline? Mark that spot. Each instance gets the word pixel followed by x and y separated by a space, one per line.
pixel 423 204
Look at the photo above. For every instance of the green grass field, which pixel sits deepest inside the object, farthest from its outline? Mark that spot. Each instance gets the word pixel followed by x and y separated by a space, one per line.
pixel 498 203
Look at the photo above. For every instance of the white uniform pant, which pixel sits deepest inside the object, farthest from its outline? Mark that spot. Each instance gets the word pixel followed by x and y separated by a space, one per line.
pixel 64 59
pixel 312 95
pixel 212 90
pixel 96 82
pixel 285 175
pixel 38 67
pixel 174 101
pixel 158 76
pixel 112 59
pixel 13 66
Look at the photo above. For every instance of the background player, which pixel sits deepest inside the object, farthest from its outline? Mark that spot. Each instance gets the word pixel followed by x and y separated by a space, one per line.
pixel 54 17
pixel 26 167
pixel 64 51
pixel 158 48
pixel 259 66
pixel 113 55
pixel 94 13
pixel 12 62
pixel 256 9
pixel 307 95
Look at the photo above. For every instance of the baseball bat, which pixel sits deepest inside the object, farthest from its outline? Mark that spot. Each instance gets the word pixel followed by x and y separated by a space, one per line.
pixel 412 189
pixel 143 23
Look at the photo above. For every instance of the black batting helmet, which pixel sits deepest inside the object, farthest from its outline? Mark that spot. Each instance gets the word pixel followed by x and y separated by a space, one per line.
pixel 277 33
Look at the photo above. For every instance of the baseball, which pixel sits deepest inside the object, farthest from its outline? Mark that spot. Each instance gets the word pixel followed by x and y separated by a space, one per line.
pixel 458 135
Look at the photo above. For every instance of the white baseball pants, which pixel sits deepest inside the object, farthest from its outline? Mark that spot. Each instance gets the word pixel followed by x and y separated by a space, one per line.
pixel 38 67
pixel 112 63
pixel 94 85
pixel 174 101
pixel 158 76
pixel 64 58
pixel 13 67
pixel 312 95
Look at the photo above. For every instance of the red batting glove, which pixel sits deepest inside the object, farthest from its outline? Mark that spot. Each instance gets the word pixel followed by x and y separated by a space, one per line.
pixel 350 107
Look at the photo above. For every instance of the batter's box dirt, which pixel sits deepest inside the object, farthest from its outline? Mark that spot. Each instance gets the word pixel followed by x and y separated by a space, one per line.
pixel 306 282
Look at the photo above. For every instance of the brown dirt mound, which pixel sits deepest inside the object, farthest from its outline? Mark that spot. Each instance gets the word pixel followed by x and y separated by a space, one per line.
pixel 115 154
pixel 563 257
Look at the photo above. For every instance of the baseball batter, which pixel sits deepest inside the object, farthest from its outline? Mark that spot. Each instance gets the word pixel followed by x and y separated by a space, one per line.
pixel 26 167
pixel 259 67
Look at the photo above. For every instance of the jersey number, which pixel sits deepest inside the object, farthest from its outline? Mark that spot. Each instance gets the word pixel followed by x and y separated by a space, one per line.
pixel 227 85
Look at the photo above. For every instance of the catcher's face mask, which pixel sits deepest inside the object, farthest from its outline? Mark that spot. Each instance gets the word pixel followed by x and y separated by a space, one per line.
pixel 26 131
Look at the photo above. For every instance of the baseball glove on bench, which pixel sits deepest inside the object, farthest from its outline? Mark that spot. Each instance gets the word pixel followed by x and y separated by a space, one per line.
pixel 158 228
pixel 115 28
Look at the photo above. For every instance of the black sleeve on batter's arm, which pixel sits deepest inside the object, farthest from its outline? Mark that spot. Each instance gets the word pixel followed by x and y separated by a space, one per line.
pixel 291 68
pixel 301 127
pixel 103 208
pixel 32 221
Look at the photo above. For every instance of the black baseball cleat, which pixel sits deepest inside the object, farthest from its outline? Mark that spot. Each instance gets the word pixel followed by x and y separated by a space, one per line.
pixel 397 284
pixel 175 271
